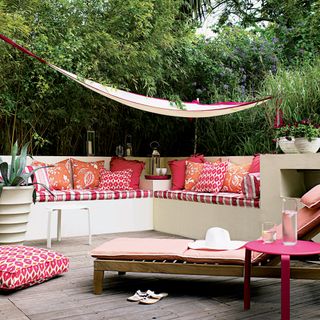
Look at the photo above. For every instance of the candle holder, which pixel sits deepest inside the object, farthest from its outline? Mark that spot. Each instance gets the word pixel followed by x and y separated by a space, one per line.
pixel 91 143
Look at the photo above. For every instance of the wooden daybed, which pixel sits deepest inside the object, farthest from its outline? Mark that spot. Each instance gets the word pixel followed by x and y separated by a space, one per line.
pixel 180 261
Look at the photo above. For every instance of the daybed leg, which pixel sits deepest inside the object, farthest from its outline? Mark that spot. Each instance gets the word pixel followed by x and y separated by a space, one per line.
pixel 121 273
pixel 98 277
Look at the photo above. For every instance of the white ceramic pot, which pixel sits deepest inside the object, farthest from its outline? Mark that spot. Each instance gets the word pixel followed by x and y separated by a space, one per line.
pixel 306 146
pixel 15 203
pixel 287 146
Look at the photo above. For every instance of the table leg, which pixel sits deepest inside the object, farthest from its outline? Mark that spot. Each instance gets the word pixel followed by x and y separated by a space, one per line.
pixel 59 213
pixel 49 229
pixel 246 286
pixel 285 287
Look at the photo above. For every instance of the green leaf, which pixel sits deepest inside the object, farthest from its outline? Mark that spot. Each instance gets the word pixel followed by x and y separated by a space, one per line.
pixel 14 152
pixel 1 188
pixel 4 173
pixel 23 158
pixel 18 181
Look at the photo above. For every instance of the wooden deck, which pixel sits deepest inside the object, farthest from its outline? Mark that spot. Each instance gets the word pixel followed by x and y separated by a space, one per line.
pixel 190 297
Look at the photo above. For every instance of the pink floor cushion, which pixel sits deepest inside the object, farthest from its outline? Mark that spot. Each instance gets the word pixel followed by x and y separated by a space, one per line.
pixel 22 266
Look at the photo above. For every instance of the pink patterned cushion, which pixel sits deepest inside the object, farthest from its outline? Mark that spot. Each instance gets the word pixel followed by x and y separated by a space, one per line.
pixel 117 180
pixel 22 266
pixel 251 185
pixel 212 177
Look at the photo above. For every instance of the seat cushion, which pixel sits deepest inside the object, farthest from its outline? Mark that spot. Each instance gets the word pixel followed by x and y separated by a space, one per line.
pixel 22 266
pixel 141 248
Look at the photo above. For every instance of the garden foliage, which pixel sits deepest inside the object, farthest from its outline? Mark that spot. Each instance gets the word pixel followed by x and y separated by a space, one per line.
pixel 149 47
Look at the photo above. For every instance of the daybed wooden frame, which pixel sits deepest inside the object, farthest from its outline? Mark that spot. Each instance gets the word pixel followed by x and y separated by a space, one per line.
pixel 270 270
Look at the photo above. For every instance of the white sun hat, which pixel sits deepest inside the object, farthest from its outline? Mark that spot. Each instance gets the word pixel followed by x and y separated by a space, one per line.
pixel 217 239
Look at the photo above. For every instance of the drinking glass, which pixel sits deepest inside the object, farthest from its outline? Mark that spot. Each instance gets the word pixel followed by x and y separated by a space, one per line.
pixel 289 221
pixel 268 232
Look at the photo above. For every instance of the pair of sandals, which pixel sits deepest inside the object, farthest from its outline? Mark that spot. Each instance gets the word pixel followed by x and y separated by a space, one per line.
pixel 148 297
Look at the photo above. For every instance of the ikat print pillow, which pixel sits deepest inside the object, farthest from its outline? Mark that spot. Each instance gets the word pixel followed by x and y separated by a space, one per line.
pixel 116 181
pixel 23 266
pixel 212 177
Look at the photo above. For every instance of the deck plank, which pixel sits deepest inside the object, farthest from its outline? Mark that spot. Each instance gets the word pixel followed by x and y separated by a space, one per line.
pixel 70 297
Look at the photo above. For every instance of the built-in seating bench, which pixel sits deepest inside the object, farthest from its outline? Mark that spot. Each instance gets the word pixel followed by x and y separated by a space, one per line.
pixel 183 213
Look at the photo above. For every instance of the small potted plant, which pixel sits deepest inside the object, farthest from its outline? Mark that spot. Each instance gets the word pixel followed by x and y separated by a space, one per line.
pixel 285 139
pixel 307 136
pixel 16 194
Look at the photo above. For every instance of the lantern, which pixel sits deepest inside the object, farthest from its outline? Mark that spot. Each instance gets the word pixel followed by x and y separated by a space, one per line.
pixel 155 157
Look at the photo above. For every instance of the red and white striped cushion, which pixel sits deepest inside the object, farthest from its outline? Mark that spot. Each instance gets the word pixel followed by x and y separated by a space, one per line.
pixel 251 185
pixel 40 178
pixel 211 177
pixel 117 180
pixel 22 266
pixel 221 198
pixel 87 194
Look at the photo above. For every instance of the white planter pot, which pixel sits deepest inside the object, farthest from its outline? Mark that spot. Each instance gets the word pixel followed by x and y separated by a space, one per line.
pixel 15 203
pixel 306 146
pixel 287 146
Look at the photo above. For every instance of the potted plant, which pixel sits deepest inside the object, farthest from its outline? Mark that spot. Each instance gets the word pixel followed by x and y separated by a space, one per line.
pixel 307 136
pixel 300 137
pixel 16 194
pixel 285 139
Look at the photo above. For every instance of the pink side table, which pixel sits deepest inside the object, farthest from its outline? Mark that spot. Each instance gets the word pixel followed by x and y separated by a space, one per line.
pixel 277 248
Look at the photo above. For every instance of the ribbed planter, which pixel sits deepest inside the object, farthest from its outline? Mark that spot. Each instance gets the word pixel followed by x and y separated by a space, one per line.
pixel 287 146
pixel 15 203
pixel 306 146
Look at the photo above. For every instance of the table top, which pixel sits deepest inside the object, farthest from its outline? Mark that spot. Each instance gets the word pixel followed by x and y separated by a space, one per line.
pixel 301 248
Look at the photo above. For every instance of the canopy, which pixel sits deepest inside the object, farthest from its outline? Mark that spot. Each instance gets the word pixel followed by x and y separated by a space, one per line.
pixel 155 105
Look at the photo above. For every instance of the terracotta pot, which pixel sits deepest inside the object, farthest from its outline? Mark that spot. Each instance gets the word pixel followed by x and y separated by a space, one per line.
pixel 15 203
pixel 306 146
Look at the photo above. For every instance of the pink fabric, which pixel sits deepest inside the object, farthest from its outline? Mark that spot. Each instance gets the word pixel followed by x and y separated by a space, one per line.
pixel 222 257
pixel 211 177
pixel 222 198
pixel 119 164
pixel 118 180
pixel 178 170
pixel 143 248
pixel 251 185
pixel 255 165
pixel 22 266
pixel 167 249
pixel 312 197
pixel 39 176
pixel 86 194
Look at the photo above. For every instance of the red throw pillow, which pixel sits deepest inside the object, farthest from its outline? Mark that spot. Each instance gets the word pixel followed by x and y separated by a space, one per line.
pixel 117 180
pixel 178 170
pixel 255 164
pixel 312 197
pixel 212 177
pixel 119 164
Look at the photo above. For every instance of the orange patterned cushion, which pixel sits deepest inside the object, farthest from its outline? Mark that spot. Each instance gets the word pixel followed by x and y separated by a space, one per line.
pixel 86 174
pixel 59 175
pixel 193 171
pixel 234 177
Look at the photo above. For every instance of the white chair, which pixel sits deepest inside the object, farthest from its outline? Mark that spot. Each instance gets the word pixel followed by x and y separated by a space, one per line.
pixel 56 207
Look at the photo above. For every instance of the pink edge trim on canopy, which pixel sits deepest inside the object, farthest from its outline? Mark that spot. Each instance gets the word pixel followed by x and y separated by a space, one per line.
pixel 150 104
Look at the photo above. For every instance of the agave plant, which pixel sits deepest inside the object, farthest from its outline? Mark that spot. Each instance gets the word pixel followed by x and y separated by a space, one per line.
pixel 13 174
